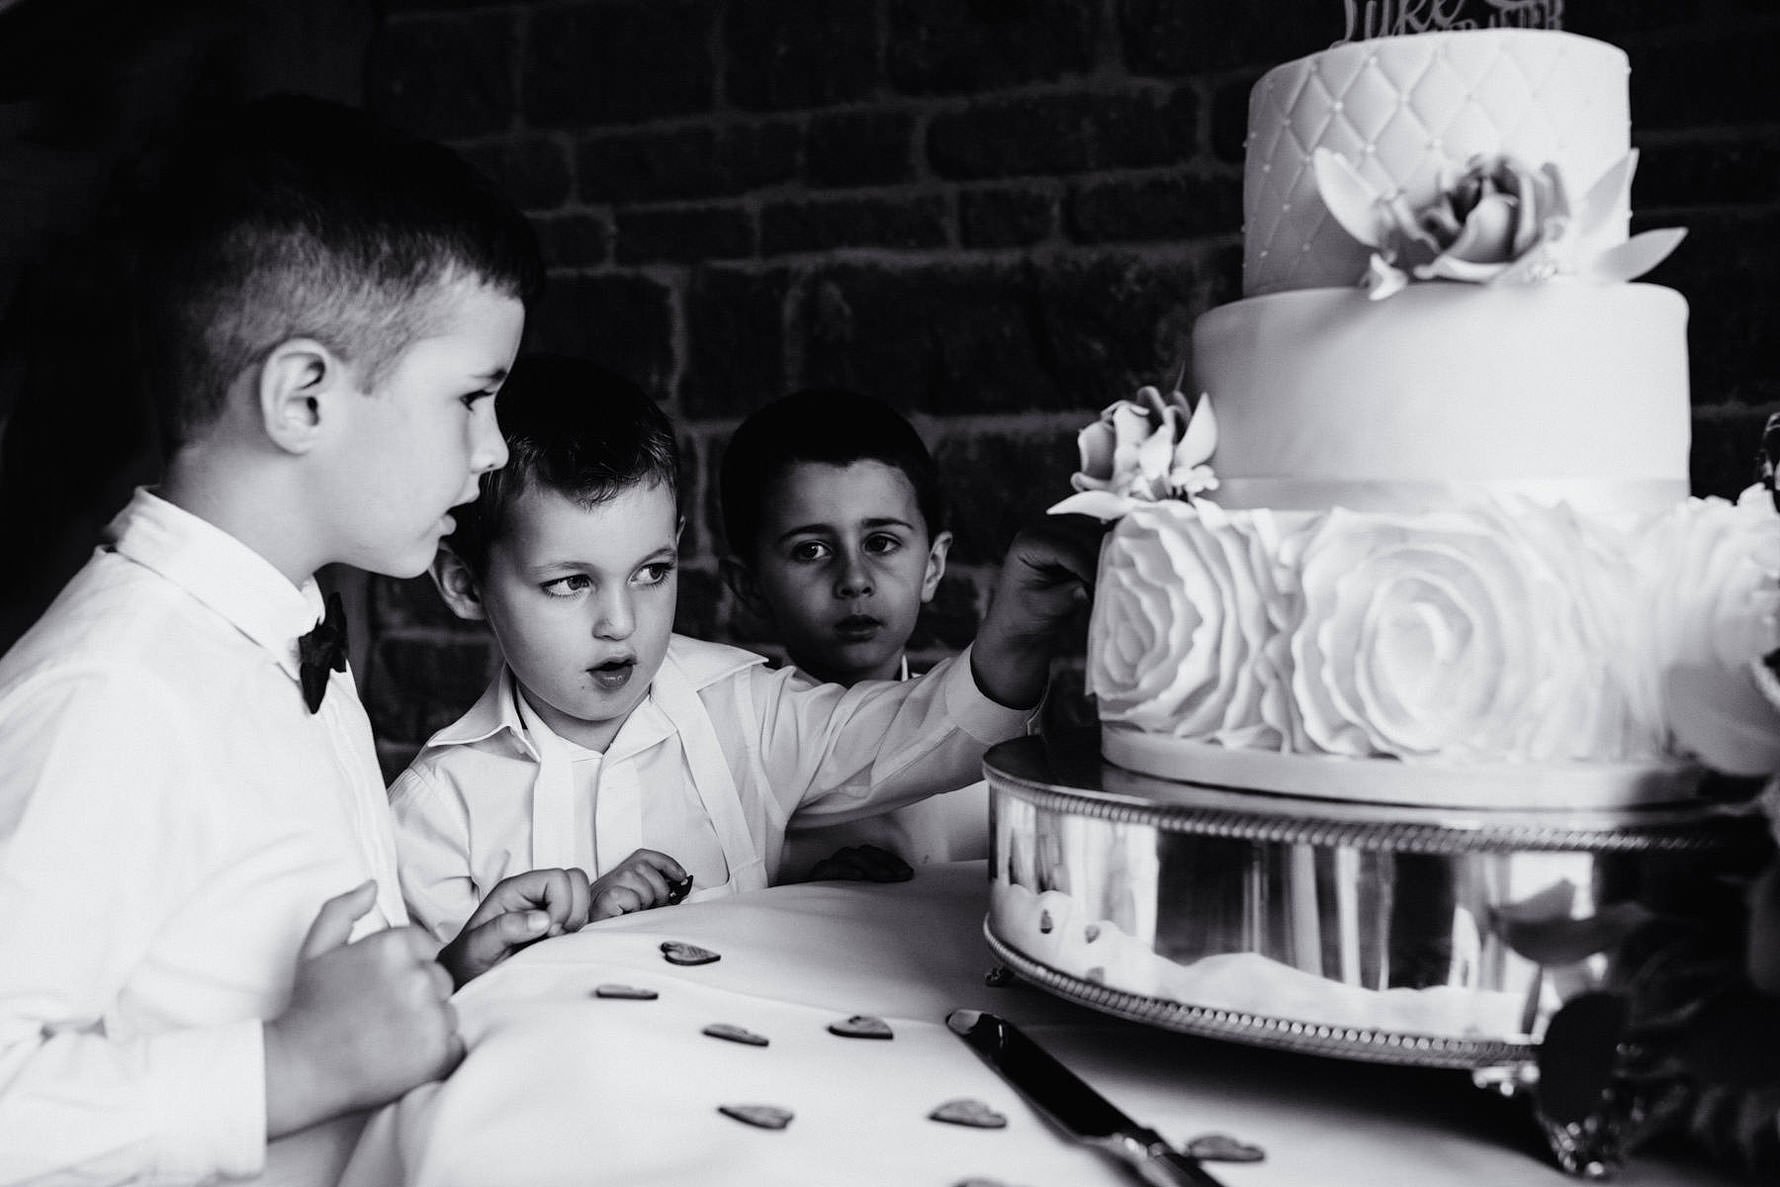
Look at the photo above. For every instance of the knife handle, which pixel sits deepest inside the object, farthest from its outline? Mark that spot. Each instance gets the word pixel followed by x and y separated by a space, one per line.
pixel 1156 1162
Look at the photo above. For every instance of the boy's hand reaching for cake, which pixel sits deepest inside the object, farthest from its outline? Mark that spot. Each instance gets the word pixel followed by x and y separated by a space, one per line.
pixel 1045 579
pixel 643 880
pixel 520 910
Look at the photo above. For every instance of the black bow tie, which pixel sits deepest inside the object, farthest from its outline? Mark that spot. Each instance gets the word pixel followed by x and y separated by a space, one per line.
pixel 320 651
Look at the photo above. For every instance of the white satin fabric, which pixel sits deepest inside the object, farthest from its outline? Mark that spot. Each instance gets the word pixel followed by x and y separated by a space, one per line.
pixel 563 1089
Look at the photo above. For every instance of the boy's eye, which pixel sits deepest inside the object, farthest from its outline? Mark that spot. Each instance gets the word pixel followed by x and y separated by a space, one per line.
pixel 882 543
pixel 654 574
pixel 566 587
pixel 471 399
pixel 809 550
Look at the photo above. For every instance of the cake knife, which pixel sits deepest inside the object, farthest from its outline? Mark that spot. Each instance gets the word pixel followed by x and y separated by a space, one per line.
pixel 1072 1105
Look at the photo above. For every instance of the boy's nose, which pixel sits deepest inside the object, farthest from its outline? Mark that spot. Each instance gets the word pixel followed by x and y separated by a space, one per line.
pixel 854 580
pixel 615 618
pixel 489 451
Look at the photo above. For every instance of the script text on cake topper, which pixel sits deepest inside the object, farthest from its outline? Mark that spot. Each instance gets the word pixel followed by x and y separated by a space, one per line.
pixel 1396 18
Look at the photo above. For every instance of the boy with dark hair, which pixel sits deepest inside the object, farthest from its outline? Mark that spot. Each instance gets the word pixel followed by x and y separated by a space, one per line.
pixel 204 968
pixel 824 596
pixel 837 538
pixel 663 765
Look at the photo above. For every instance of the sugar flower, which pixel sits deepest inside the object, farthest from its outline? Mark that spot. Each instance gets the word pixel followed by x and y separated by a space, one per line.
pixel 1497 221
pixel 1143 450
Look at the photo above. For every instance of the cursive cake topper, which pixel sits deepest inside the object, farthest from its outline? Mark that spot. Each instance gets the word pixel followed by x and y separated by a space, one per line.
pixel 1397 18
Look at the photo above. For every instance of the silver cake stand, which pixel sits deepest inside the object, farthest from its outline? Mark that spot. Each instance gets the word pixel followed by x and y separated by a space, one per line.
pixel 1401 934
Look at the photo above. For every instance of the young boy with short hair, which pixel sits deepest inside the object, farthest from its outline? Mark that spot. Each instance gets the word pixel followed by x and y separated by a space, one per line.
pixel 657 763
pixel 837 538
pixel 204 968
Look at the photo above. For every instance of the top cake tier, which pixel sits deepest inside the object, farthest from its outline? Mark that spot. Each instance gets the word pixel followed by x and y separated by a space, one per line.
pixel 1401 110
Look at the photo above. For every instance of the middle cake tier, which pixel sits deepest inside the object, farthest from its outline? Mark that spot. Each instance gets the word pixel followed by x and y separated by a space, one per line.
pixel 1564 392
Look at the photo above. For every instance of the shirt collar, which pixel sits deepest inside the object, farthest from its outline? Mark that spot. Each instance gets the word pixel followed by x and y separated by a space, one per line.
pixel 902 669
pixel 218 570
pixel 498 711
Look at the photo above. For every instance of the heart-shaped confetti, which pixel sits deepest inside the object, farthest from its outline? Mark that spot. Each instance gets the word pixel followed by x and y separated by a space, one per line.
pixel 677 891
pixel 861 1026
pixel 1221 1147
pixel 625 992
pixel 965 1111
pixel 678 952
pixel 736 1034
pixel 762 1116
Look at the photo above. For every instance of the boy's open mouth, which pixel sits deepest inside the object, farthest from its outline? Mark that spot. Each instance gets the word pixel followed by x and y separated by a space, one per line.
pixel 613 674
pixel 858 627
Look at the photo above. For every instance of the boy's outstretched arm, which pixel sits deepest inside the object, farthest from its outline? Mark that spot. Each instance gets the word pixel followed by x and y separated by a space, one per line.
pixel 1047 574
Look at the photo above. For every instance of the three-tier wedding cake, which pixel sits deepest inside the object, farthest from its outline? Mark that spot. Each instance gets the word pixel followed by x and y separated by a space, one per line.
pixel 1426 536
pixel 1408 643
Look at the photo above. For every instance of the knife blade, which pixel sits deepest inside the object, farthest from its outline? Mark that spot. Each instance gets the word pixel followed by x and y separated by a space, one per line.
pixel 1073 1106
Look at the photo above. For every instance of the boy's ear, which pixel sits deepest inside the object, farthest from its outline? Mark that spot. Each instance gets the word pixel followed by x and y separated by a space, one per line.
pixel 457 584
pixel 936 565
pixel 739 579
pixel 293 384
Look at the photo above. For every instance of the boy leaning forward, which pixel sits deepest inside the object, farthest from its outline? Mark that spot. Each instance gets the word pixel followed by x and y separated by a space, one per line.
pixel 205 968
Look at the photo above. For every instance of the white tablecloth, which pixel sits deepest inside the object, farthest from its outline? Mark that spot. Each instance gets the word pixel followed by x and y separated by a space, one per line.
pixel 560 1087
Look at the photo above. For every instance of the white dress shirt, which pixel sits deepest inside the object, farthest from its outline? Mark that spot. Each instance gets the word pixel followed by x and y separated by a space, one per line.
pixel 708 769
pixel 171 819
pixel 949 827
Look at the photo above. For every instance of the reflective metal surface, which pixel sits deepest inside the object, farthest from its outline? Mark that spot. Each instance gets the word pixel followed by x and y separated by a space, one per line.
pixel 1368 931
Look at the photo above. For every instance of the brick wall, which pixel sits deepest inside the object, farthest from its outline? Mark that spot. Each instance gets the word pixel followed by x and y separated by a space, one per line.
pixel 85 87
pixel 998 215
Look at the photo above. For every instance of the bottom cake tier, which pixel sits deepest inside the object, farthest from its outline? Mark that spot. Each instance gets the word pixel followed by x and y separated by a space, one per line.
pixel 1385 932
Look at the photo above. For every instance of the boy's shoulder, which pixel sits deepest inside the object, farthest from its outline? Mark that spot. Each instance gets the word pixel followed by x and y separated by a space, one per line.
pixel 114 616
pixel 702 663
pixel 171 592
pixel 129 664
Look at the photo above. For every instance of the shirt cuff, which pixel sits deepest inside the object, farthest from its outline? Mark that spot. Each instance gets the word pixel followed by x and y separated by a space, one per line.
pixel 971 710
pixel 214 1115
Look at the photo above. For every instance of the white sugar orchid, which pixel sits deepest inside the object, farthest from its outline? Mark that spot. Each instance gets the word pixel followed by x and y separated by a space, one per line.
pixel 1498 221
pixel 1143 450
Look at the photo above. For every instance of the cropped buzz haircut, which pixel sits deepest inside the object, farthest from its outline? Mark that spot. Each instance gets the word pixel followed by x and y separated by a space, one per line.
pixel 573 428
pixel 294 217
pixel 831 425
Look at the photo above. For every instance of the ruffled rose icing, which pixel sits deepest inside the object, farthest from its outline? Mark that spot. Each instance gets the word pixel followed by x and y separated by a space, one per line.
pixel 1506 631
pixel 1443 636
pixel 1189 627
pixel 1711 618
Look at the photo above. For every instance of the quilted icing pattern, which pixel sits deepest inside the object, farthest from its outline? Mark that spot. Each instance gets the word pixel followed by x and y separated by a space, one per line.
pixel 1402 109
